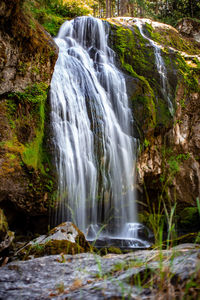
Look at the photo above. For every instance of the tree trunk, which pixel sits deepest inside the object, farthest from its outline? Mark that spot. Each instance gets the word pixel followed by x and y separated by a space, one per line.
pixel 157 7
pixel 123 6
pixel 118 5
pixel 106 9
pixel 191 9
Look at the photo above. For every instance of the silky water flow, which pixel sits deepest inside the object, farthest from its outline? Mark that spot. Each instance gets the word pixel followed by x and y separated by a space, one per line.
pixel 160 67
pixel 92 125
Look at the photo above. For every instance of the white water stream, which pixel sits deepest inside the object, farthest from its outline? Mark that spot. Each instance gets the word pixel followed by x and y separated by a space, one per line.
pixel 160 66
pixel 92 125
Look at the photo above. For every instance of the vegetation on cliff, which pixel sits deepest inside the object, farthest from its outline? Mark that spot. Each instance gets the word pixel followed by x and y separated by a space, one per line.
pixel 28 57
pixel 51 14
pixel 167 150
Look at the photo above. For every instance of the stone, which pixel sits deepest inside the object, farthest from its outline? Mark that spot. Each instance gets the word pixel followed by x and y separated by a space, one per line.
pixel 190 28
pixel 66 238
pixel 135 275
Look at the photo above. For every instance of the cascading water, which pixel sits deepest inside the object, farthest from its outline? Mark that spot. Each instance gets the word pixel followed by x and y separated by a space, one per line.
pixel 92 125
pixel 160 67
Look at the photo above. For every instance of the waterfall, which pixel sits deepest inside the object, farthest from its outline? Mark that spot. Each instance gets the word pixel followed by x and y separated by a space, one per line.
pixel 92 125
pixel 160 67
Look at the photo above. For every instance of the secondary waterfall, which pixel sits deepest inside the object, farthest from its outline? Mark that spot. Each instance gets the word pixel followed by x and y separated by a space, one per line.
pixel 92 123
pixel 160 67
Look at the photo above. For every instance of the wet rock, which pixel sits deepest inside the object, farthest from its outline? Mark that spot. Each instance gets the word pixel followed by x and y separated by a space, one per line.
pixel 133 275
pixel 174 158
pixel 168 163
pixel 65 238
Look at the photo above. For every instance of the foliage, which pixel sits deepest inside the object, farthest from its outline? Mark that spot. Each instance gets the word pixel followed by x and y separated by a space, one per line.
pixel 168 11
pixel 172 10
pixel 146 143
pixel 51 14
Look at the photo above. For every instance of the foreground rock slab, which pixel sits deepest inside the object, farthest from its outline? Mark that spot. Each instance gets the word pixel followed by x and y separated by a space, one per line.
pixel 136 275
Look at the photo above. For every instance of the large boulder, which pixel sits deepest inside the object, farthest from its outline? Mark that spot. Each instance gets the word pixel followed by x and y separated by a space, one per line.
pixel 65 238
pixel 189 28
pixel 145 274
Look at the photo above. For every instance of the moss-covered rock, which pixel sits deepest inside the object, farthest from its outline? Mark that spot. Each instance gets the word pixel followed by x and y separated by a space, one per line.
pixel 168 163
pixel 137 58
pixel 6 236
pixel 63 239
pixel 28 55
pixel 3 225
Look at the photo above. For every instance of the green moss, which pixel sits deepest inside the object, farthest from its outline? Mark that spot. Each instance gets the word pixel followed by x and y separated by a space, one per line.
pixel 188 75
pixel 131 47
pixel 51 247
pixel 52 24
pixel 33 97
pixel 32 155
pixel 149 105
pixel 146 143
pixel 169 37
pixel 114 250
pixel 3 225
pixel 163 114
pixel 26 146
pixel 154 35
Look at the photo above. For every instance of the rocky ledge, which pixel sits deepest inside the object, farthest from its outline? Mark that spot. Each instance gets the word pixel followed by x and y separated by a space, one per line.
pixel 145 274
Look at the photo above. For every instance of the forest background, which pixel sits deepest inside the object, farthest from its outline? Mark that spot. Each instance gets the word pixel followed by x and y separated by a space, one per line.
pixel 52 13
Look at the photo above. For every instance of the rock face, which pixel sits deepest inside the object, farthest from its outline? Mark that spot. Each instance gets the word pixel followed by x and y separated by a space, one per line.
pixel 28 55
pixel 136 275
pixel 27 51
pixel 168 160
pixel 65 238
pixel 178 149
pixel 190 28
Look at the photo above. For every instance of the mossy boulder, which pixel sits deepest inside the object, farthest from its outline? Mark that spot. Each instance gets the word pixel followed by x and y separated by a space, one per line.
pixel 63 239
pixel 6 236
pixel 28 55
